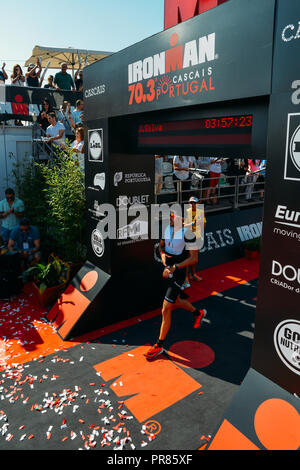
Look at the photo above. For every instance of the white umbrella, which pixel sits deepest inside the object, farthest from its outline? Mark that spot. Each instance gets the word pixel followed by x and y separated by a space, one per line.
pixel 72 57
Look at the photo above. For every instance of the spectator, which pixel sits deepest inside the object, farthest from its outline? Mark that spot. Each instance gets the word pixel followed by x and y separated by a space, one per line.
pixel 233 171
pixel 261 178
pixel 203 163
pixel 195 220
pixel 3 74
pixel 63 80
pixel 43 116
pixel 50 83
pixel 214 175
pixel 181 168
pixel 158 173
pixel 78 146
pixel 79 81
pixel 76 117
pixel 33 76
pixel 55 132
pixel 11 210
pixel 17 77
pixel 25 239
pixel 63 117
pixel 251 177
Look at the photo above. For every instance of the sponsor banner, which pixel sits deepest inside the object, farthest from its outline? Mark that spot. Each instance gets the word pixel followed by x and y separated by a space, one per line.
pixel 95 145
pixel 16 101
pixel 292 155
pixel 286 48
pixel 276 348
pixel 226 234
pixel 287 344
pixel 97 193
pixel 203 60
pixel 225 237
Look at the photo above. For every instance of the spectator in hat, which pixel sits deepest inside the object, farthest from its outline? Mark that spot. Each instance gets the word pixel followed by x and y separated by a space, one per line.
pixel 195 220
pixel 3 74
pixel 33 74
pixel 25 239
pixel 63 80
pixel 50 84
pixel 11 211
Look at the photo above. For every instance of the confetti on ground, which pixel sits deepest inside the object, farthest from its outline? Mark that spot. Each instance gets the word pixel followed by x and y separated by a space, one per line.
pixel 51 396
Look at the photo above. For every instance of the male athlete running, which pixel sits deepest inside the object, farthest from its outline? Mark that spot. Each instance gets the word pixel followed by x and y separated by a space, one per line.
pixel 176 254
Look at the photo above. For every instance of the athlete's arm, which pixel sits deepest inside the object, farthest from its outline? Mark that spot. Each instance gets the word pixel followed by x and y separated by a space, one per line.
pixel 162 252
pixel 192 259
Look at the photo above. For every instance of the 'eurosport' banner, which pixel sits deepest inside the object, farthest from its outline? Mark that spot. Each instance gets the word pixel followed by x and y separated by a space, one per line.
pixel 222 54
pixel 276 352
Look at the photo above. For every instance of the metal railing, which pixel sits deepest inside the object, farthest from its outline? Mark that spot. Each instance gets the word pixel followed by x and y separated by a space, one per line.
pixel 231 192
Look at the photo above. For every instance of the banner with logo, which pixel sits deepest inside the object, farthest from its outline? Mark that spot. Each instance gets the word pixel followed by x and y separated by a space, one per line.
pixel 97 193
pixel 276 352
pixel 24 101
pixel 216 56
pixel 226 237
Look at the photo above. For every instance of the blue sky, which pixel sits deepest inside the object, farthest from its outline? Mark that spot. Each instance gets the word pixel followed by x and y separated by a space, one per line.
pixel 104 25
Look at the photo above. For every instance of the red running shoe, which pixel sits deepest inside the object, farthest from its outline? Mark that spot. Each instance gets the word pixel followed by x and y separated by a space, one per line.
pixel 199 318
pixel 154 352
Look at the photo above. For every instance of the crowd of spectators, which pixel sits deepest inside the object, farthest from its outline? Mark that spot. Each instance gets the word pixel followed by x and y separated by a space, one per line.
pixel 216 172
pixel 56 125
pixel 33 78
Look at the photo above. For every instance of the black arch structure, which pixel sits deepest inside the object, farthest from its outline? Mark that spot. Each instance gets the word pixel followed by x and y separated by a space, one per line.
pixel 188 90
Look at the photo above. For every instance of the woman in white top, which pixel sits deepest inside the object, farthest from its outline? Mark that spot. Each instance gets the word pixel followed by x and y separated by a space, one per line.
pixel 181 167
pixel 214 175
pixel 78 146
pixel 17 77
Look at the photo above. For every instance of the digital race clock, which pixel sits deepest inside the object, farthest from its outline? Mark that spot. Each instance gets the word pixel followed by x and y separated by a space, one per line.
pixel 213 131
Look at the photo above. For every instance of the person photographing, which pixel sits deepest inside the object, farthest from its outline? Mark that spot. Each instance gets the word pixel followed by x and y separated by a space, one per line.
pixel 177 251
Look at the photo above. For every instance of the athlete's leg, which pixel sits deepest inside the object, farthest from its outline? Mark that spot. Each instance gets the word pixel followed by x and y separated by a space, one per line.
pixel 199 315
pixel 166 319
pixel 185 305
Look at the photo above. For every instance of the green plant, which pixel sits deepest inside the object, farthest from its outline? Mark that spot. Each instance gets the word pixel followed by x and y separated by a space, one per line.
pixel 46 276
pixel 64 193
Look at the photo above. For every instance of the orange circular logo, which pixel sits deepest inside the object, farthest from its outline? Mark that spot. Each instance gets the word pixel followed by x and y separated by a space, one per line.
pixel 152 427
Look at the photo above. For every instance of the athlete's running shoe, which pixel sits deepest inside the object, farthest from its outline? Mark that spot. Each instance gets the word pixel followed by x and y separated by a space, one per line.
pixel 199 319
pixel 154 352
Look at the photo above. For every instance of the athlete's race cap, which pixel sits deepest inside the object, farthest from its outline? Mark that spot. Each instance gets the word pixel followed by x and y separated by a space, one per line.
pixel 194 199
